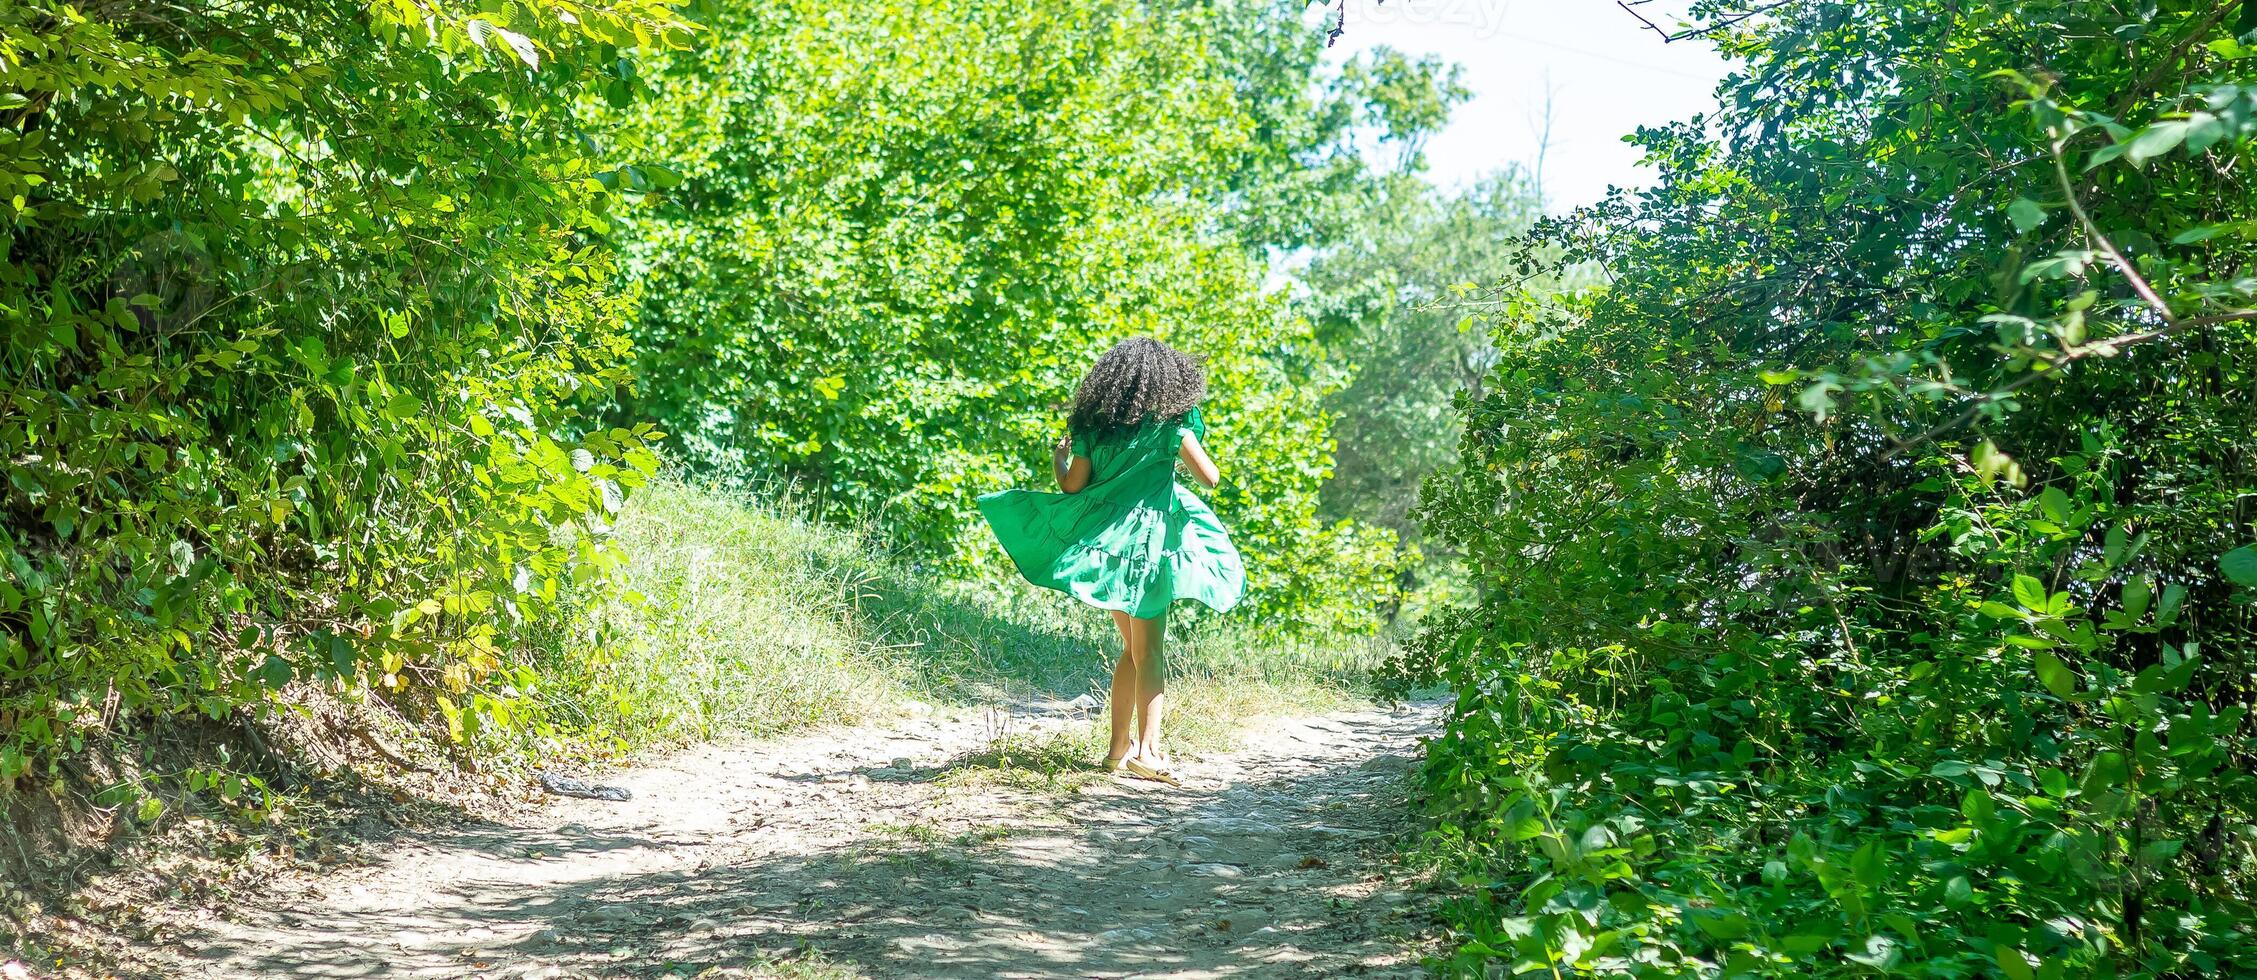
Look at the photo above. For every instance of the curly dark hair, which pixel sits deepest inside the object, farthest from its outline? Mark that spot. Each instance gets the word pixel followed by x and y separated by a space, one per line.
pixel 1138 381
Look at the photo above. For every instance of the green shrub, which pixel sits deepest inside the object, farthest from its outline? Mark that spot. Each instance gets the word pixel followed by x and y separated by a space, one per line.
pixel 301 312
pixel 1864 572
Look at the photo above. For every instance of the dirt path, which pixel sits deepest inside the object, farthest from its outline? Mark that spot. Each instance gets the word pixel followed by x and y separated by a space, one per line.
pixel 877 853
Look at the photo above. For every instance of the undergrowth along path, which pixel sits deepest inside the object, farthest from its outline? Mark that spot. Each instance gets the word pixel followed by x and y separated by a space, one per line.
pixel 960 846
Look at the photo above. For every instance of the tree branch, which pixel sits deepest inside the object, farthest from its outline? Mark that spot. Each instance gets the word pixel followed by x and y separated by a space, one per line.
pixel 2100 240
pixel 1629 6
pixel 2179 50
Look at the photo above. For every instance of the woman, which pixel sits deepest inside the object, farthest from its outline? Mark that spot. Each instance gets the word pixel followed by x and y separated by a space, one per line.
pixel 1125 536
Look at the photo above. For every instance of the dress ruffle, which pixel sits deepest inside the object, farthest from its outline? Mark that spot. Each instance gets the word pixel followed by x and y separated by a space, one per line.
pixel 1133 539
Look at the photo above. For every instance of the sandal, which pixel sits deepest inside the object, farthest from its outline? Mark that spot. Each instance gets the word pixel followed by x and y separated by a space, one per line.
pixel 1115 763
pixel 1158 774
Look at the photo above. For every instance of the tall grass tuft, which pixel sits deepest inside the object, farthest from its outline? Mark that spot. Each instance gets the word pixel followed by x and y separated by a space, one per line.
pixel 738 619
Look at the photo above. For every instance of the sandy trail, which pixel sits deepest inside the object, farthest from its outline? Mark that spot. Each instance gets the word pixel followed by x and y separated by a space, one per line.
pixel 855 853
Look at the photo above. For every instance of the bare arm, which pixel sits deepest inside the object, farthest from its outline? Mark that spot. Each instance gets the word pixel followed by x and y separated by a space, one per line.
pixel 1195 456
pixel 1072 471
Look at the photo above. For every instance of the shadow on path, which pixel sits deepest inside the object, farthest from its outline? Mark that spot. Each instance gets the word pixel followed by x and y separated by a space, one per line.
pixel 1278 872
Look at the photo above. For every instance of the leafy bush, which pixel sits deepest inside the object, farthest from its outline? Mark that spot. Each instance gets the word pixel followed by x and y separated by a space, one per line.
pixel 301 309
pixel 1865 572
pixel 879 276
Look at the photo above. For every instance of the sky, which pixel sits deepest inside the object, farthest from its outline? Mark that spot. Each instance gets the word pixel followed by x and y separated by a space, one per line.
pixel 1607 76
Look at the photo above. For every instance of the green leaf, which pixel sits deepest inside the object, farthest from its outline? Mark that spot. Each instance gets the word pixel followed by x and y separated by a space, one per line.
pixel 2104 156
pixel 1977 805
pixel 2107 771
pixel 1959 890
pixel 2060 265
pixel 1870 863
pixel 1880 952
pixel 1818 399
pixel 2013 964
pixel 2000 610
pixel 2200 234
pixel 522 46
pixel 2030 592
pixel 2150 680
pixel 2055 675
pixel 2112 548
pixel 2136 593
pixel 2157 139
pixel 275 673
pixel 2203 130
pixel 2182 675
pixel 2167 608
pixel 341 655
pixel 1810 937
pixel 1726 926
pixel 403 406
pixel 2240 566
pixel 2026 214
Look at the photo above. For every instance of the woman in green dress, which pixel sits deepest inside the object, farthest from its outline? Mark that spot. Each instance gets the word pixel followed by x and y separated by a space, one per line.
pixel 1125 536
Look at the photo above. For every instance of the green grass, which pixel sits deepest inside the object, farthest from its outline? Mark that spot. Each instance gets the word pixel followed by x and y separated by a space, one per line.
pixel 754 620
pixel 928 836
pixel 741 620
pixel 1058 761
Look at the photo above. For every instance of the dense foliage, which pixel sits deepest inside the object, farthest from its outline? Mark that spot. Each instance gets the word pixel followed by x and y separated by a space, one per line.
pixel 1866 569
pixel 337 334
pixel 880 278
pixel 301 308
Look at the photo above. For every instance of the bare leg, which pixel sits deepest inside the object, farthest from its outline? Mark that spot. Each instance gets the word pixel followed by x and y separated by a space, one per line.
pixel 1151 683
pixel 1124 689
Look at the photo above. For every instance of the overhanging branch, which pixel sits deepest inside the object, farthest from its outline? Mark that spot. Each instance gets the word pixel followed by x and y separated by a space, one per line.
pixel 1630 7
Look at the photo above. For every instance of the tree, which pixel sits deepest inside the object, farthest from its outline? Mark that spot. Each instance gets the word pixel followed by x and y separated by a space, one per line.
pixel 1398 300
pixel 879 277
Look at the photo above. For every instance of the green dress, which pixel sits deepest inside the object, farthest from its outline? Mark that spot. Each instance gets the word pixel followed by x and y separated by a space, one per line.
pixel 1132 539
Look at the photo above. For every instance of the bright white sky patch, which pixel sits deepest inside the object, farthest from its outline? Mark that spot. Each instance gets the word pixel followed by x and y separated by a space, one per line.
pixel 1607 75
